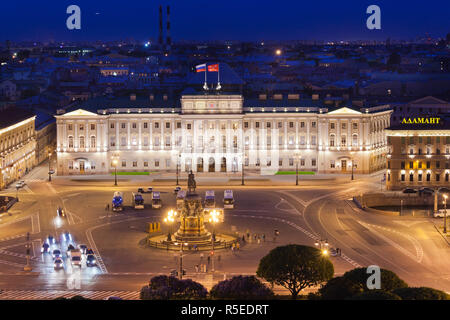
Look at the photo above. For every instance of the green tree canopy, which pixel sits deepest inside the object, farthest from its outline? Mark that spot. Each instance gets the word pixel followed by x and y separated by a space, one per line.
pixel 376 295
pixel 339 288
pixel 389 280
pixel 241 287
pixel 421 293
pixel 295 267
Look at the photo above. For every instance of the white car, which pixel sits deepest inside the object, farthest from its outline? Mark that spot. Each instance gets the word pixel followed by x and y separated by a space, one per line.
pixel 58 263
pixel 20 184
pixel 441 213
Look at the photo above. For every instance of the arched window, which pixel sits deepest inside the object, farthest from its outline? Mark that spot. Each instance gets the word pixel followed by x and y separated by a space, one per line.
pixel 332 138
pixel 81 141
pixel 93 142
pixel 70 142
pixel 355 140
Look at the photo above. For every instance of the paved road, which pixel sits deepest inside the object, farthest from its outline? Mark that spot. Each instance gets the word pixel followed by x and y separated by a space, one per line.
pixel 410 246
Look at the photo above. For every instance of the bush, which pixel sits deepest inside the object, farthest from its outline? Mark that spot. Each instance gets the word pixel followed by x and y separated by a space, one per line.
pixel 241 287
pixel 421 293
pixel 165 288
pixel 339 288
pixel 376 295
pixel 389 280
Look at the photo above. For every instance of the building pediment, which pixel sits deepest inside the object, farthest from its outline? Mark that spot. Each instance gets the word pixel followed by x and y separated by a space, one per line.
pixel 344 110
pixel 79 112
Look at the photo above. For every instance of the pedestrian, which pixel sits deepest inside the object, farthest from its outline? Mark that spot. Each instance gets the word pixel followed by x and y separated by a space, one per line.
pixel 201 257
pixel 196 268
pixel 243 239
pixel 232 246
pixel 264 237
pixel 259 240
pixel 237 246
pixel 209 260
pixel 248 235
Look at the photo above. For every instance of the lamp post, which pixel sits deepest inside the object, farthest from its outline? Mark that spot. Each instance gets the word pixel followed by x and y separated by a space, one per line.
pixel 297 160
pixel 242 182
pixel 178 164
pixel 445 213
pixel 115 171
pixel 49 172
pixel 181 257
pixel 353 165
pixel 170 219
pixel 213 218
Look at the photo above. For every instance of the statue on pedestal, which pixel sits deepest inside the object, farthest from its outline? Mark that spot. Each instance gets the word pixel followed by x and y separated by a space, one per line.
pixel 191 182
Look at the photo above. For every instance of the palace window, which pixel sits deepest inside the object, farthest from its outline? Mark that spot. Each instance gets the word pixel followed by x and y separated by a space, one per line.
pixel 93 142
pixel 92 126
pixel 112 141
pixel 123 125
pixel 70 142
pixel 145 125
pixel 81 142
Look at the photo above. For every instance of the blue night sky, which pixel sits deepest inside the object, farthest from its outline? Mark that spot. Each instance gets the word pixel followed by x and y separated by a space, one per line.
pixel 224 20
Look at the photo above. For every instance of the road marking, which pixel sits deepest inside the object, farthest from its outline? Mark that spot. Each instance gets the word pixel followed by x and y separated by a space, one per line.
pixel 293 210
pixel 407 223
pixel 15 221
pixel 35 224
pixel 418 248
pixel 12 264
pixel 27 189
pixel 309 234
pixel 13 237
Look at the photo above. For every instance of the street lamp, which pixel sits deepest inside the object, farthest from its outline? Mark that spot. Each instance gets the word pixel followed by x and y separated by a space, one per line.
pixel 181 244
pixel 49 169
pixel 445 213
pixel 171 215
pixel 115 171
pixel 178 163
pixel 297 160
pixel 213 218
pixel 243 160
pixel 352 164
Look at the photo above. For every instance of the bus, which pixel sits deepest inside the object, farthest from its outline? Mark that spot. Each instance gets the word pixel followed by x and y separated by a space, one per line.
pixel 117 201
pixel 210 200
pixel 228 200
pixel 138 201
pixel 180 199
pixel 156 200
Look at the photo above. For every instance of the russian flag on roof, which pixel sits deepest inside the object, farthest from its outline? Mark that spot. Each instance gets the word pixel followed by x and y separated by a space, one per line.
pixel 201 68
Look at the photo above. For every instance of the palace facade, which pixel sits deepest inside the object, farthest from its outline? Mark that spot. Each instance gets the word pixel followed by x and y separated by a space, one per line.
pixel 219 132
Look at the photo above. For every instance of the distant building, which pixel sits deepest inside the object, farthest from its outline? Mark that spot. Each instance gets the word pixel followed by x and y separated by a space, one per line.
pixel 17 144
pixel 427 106
pixel 418 152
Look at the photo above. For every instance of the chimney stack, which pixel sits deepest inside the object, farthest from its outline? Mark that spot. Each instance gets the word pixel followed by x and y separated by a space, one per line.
pixel 160 39
pixel 168 38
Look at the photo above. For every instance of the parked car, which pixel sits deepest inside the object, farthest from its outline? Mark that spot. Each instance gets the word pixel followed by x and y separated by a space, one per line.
pixel 58 263
pixel 176 190
pixel 89 251
pixel 83 248
pixel 409 190
pixel 20 184
pixel 60 212
pixel 441 213
pixel 141 190
pixel 66 236
pixel 56 253
pixel 150 189
pixel 70 247
pixel 45 248
pixel 90 260
pixel 51 240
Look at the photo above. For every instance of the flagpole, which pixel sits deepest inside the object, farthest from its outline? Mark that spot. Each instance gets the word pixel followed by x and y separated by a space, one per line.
pixel 205 86
pixel 218 77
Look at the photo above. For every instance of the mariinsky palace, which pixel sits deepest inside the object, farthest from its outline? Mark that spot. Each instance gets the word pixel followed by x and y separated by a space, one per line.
pixel 220 132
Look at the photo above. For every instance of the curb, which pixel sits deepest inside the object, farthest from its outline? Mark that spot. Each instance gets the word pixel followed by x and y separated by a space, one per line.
pixel 442 235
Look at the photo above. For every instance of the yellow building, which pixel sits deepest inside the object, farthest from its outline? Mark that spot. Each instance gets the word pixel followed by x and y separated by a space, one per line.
pixel 419 153
pixel 17 144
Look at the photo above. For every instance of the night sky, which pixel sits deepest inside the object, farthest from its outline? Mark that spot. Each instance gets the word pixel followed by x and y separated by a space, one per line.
pixel 45 20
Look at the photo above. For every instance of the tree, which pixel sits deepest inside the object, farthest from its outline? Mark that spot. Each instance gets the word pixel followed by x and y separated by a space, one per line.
pixel 376 295
pixel 339 288
pixel 389 280
pixel 421 293
pixel 295 267
pixel 165 288
pixel 241 287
